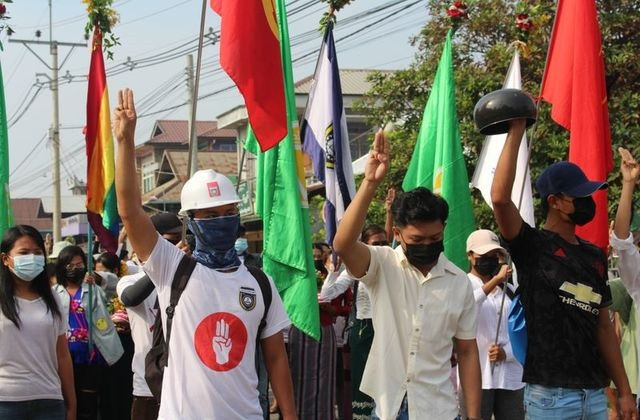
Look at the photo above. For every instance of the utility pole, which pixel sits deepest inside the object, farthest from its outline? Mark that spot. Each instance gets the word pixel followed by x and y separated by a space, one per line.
pixel 193 137
pixel 192 165
pixel 55 125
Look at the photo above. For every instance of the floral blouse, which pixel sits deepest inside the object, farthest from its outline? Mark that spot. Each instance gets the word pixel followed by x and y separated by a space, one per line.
pixel 78 334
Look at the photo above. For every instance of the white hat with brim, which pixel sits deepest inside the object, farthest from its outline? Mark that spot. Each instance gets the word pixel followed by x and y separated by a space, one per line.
pixel 57 247
pixel 483 241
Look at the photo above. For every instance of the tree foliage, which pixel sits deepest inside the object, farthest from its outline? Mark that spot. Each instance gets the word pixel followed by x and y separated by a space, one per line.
pixel 482 53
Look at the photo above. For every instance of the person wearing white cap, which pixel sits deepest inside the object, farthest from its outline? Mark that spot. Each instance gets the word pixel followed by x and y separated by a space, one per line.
pixel 502 386
pixel 57 247
pixel 221 316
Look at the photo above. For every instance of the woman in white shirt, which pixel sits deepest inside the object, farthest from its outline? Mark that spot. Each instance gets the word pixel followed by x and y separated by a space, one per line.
pixel 502 386
pixel 36 374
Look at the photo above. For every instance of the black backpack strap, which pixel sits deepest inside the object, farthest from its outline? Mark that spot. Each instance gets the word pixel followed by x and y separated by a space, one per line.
pixel 179 283
pixel 265 288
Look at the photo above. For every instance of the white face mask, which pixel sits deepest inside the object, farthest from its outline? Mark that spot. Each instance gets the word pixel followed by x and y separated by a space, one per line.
pixel 28 267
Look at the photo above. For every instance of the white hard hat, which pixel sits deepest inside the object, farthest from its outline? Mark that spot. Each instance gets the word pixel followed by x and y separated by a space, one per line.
pixel 205 189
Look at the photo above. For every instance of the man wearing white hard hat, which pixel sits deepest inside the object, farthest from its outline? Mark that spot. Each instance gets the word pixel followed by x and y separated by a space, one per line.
pixel 211 369
pixel 502 386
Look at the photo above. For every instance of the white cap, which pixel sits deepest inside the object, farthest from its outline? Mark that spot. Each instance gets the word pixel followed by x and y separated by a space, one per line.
pixel 483 241
pixel 205 189
pixel 57 247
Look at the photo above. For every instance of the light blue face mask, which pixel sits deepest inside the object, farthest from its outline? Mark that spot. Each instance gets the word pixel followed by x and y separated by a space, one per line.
pixel 27 267
pixel 241 245
pixel 215 240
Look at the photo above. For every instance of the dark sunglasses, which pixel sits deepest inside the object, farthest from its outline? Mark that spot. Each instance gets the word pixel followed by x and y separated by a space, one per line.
pixel 380 243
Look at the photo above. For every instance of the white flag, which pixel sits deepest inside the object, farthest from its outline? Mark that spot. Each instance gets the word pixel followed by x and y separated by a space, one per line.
pixel 325 137
pixel 491 150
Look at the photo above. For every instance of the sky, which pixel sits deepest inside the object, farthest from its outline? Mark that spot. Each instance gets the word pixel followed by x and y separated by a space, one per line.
pixel 151 59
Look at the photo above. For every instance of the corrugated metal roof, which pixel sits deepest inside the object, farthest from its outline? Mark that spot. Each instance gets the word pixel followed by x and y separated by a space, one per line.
pixel 353 81
pixel 25 212
pixel 72 204
pixel 177 131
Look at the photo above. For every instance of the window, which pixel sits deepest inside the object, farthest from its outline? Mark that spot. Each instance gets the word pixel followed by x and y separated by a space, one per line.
pixel 359 140
pixel 224 145
pixel 148 176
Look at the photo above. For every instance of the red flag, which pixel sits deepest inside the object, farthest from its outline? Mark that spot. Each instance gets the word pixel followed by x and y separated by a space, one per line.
pixel 574 84
pixel 250 54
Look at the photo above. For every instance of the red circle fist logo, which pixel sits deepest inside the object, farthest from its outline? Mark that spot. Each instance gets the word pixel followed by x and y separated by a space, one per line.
pixel 220 340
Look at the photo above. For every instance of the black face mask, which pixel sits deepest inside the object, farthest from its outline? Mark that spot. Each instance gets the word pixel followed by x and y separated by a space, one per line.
pixel 76 275
pixel 319 264
pixel 584 210
pixel 421 255
pixel 487 266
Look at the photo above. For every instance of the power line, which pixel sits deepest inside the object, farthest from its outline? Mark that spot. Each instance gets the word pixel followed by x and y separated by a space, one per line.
pixel 68 20
pixel 26 108
pixel 28 155
pixel 162 92
pixel 154 13
pixel 15 69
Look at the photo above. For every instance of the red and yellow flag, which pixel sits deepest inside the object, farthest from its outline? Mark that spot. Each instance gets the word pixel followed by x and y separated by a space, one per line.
pixel 250 54
pixel 575 86
pixel 102 210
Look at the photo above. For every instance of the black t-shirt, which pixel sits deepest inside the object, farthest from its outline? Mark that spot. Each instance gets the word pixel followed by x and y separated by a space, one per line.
pixel 563 288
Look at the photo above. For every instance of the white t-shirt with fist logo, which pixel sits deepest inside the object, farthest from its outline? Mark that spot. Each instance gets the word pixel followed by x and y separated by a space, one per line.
pixel 211 373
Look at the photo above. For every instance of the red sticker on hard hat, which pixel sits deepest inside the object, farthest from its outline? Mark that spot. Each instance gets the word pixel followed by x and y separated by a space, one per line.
pixel 214 189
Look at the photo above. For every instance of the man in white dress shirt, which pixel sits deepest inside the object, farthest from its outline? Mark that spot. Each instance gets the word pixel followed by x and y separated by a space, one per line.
pixel 502 386
pixel 421 304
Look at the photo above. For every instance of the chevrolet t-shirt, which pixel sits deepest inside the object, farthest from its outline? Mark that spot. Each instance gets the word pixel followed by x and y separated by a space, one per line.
pixel 563 288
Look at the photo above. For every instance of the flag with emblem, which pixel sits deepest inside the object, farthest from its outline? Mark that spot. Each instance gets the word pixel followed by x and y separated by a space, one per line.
pixel 250 55
pixel 102 210
pixel 325 136
pixel 575 86
pixel 438 163
pixel 281 201
pixel 6 219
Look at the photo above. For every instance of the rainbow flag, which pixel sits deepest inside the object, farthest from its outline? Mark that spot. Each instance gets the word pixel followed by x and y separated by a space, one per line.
pixel 102 210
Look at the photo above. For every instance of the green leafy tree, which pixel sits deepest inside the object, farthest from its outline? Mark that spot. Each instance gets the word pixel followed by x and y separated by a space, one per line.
pixel 482 52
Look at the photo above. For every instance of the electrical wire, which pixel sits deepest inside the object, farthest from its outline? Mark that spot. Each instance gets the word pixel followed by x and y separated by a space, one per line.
pixel 154 13
pixel 31 152
pixel 163 91
pixel 25 109
pixel 15 69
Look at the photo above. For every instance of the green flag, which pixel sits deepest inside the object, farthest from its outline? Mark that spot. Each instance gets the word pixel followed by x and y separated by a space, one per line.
pixel 6 219
pixel 437 162
pixel 281 201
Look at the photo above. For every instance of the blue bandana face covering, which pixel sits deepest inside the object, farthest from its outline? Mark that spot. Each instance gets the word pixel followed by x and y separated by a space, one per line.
pixel 215 240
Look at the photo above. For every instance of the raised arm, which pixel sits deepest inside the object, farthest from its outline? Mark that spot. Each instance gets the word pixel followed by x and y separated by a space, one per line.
pixel 138 225
pixel 630 174
pixel 629 261
pixel 354 253
pixel 507 215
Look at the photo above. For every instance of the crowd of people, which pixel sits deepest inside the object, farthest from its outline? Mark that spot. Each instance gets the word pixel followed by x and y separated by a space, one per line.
pixel 193 329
